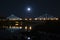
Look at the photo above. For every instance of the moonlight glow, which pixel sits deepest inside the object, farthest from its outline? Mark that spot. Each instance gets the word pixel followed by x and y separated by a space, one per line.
pixel 28 9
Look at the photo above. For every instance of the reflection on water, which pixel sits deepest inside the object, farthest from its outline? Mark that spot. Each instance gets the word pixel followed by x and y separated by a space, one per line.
pixel 13 29
pixel 17 34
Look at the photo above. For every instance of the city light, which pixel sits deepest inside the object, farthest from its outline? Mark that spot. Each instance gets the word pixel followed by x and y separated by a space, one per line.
pixel 20 27
pixel 35 18
pixel 44 18
pixel 30 18
pixel 57 18
pixel 40 18
pixel 47 18
pixel 26 19
pixel 12 19
pixel 20 18
pixel 52 18
pixel 26 27
pixel 30 27
pixel 16 24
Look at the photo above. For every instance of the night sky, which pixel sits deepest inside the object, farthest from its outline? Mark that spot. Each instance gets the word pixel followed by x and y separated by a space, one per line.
pixel 38 7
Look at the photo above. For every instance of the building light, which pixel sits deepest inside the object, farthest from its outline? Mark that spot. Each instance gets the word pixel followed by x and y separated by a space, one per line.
pixel 30 27
pixel 57 18
pixel 16 24
pixel 35 18
pixel 26 19
pixel 52 18
pixel 47 18
pixel 40 18
pixel 30 18
pixel 26 27
pixel 20 18
pixel 20 27
pixel 13 19
pixel 44 18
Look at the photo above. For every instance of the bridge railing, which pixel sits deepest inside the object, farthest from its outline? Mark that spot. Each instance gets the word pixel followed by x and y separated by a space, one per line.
pixel 35 19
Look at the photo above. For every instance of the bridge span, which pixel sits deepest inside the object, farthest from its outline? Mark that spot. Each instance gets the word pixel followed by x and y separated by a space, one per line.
pixel 29 23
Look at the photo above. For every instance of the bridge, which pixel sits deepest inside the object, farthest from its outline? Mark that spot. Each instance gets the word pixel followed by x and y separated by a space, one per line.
pixel 13 22
pixel 30 27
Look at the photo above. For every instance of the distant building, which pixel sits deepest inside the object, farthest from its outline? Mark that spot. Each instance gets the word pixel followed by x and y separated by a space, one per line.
pixel 46 16
pixel 13 17
pixel 42 17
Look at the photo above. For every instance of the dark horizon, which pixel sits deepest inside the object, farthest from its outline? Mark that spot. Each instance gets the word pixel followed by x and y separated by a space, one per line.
pixel 39 7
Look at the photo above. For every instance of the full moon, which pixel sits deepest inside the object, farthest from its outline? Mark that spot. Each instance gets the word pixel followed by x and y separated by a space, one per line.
pixel 28 9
